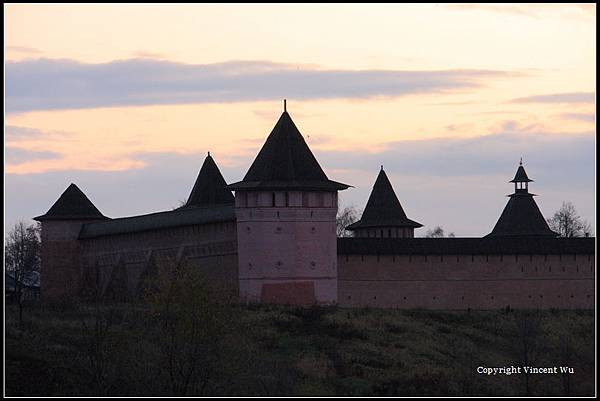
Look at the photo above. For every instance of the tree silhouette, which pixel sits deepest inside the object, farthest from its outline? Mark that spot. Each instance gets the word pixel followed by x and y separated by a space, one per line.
pixel 568 223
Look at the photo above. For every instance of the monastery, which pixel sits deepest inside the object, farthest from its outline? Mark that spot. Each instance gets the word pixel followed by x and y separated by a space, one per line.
pixel 275 242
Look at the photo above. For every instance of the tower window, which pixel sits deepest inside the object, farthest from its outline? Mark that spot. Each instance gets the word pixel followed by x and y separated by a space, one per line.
pixel 287 198
pixel 273 199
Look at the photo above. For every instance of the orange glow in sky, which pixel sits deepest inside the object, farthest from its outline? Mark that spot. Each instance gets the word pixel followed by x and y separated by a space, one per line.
pixel 122 81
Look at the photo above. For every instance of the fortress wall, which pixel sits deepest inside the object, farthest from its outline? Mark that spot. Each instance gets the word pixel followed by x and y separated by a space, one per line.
pixel 123 261
pixel 563 281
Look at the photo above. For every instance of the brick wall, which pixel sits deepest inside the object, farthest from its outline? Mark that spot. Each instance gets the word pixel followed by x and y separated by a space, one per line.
pixel 467 281
pixel 117 265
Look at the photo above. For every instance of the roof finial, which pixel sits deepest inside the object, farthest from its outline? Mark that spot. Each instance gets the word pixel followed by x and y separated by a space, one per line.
pixel 382 167
pixel 209 152
pixel 284 105
pixel 521 161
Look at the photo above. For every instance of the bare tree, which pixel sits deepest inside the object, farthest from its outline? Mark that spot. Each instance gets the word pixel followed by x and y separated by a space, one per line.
pixel 438 232
pixel 568 223
pixel 22 257
pixel 195 317
pixel 344 218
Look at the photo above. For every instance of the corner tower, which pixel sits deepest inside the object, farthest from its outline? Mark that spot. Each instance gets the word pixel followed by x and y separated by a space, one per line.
pixel 383 216
pixel 61 273
pixel 521 216
pixel 286 209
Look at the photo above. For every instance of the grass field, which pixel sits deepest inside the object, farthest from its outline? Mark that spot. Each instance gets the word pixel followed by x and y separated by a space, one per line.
pixel 125 349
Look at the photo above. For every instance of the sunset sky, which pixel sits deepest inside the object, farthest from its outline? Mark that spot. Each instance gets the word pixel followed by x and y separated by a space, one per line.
pixel 126 100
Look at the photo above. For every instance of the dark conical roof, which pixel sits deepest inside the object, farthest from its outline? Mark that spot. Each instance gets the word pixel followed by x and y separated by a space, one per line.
pixel 210 187
pixel 383 208
pixel 522 217
pixel 521 175
pixel 286 162
pixel 72 205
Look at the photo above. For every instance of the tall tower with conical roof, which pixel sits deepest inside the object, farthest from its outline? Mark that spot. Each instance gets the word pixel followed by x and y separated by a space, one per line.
pixel 383 216
pixel 286 209
pixel 521 217
pixel 61 273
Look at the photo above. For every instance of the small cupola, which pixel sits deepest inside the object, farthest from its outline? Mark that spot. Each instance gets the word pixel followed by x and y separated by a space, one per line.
pixel 521 180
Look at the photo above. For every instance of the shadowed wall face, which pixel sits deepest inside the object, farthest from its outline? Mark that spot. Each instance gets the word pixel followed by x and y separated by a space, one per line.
pixel 287 247
pixel 127 264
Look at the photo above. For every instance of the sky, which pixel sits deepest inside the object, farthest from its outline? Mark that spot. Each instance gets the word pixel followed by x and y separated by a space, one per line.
pixel 126 100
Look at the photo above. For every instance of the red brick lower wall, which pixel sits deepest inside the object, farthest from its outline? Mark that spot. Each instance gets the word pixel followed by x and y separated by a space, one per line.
pixel 467 281
pixel 291 293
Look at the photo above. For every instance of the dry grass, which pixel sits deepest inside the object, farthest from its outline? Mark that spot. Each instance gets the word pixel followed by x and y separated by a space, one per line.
pixel 271 350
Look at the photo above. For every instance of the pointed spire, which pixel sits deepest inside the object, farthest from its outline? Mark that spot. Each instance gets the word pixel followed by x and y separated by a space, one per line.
pixel 210 186
pixel 286 162
pixel 521 175
pixel 284 105
pixel 72 205
pixel 383 207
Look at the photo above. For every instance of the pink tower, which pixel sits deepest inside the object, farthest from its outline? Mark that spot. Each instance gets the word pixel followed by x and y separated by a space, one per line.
pixel 286 229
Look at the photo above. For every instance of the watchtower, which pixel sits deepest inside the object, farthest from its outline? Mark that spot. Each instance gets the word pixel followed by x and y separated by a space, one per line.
pixel 286 223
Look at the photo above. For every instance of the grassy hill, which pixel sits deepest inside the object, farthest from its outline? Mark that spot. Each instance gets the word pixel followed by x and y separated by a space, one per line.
pixel 126 349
